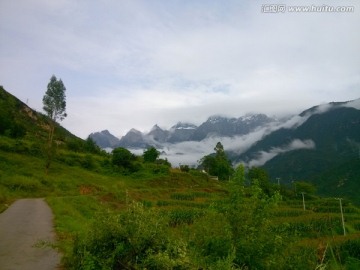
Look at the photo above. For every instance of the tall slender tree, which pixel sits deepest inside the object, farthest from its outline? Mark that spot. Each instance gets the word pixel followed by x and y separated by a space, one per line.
pixel 54 104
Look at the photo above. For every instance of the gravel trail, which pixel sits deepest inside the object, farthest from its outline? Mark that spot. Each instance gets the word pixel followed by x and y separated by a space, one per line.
pixel 26 236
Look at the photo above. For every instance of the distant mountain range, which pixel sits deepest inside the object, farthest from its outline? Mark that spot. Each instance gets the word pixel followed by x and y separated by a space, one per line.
pixel 215 126
pixel 321 145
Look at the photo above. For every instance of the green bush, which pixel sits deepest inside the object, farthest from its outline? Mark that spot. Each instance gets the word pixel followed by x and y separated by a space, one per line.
pixel 136 239
pixel 352 263
pixel 350 248
pixel 88 162
pixel 211 239
pixel 184 216
pixel 182 196
pixel 295 258
pixel 184 168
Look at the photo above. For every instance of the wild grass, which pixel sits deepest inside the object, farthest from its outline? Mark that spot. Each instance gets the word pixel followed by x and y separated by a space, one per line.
pixel 192 206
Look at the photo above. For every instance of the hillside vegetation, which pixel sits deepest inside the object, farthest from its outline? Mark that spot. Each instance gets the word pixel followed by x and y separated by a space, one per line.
pixel 334 161
pixel 139 213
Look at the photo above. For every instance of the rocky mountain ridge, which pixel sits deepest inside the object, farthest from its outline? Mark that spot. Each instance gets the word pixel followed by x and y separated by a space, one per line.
pixel 215 126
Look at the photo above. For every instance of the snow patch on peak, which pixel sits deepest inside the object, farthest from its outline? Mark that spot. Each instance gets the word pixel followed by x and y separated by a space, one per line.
pixel 188 127
pixel 181 125
pixel 216 119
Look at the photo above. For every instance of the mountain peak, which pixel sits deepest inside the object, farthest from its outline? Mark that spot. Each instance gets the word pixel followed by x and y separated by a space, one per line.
pixel 133 130
pixel 104 139
pixel 254 117
pixel 156 127
pixel 105 132
pixel 217 118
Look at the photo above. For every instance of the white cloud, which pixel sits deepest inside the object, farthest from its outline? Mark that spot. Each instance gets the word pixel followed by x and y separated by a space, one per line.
pixel 353 104
pixel 136 63
pixel 190 152
pixel 265 156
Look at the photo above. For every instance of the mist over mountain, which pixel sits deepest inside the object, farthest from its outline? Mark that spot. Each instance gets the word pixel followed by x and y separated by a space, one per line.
pixel 321 127
pixel 321 144
pixel 158 134
pixel 183 139
pixel 228 127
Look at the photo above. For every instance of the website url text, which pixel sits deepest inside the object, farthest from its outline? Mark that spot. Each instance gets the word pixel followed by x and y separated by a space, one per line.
pixel 280 8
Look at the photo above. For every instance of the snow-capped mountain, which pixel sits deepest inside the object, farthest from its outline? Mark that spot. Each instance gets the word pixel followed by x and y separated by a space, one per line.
pixel 228 127
pixel 181 132
pixel 215 126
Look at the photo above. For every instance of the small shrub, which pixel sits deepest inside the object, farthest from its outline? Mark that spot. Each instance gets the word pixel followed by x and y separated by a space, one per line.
pixel 184 216
pixel 184 168
pixel 163 203
pixel 182 196
pixel 200 194
pixel 350 248
pixel 135 239
pixel 147 204
pixel 211 239
pixel 88 162
pixel 352 263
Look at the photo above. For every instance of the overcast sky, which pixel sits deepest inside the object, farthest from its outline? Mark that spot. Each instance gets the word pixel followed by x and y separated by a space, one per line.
pixel 138 63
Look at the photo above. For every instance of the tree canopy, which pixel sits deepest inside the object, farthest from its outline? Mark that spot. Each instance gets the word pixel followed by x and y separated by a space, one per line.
pixel 54 100
pixel 305 187
pixel 122 157
pixel 217 164
pixel 151 154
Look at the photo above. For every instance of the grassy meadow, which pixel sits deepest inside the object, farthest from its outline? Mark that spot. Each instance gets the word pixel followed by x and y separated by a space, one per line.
pixel 158 217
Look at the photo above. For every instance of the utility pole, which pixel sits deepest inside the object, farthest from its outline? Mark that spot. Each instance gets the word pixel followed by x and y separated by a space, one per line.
pixel 342 215
pixel 278 180
pixel 302 193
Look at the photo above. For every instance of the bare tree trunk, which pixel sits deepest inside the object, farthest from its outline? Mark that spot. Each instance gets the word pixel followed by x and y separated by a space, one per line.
pixel 49 150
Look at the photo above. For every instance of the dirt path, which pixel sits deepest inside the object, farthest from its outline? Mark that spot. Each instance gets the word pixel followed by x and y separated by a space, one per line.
pixel 26 233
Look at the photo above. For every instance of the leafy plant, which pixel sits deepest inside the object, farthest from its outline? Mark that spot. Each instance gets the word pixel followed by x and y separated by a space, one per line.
pixel 182 196
pixel 137 238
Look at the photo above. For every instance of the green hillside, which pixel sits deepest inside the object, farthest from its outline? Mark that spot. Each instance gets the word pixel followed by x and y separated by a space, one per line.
pixel 17 120
pixel 335 158
pixel 30 130
pixel 136 213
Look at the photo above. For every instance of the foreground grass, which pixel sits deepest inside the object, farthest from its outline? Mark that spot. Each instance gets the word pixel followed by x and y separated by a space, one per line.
pixel 77 195
pixel 189 203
